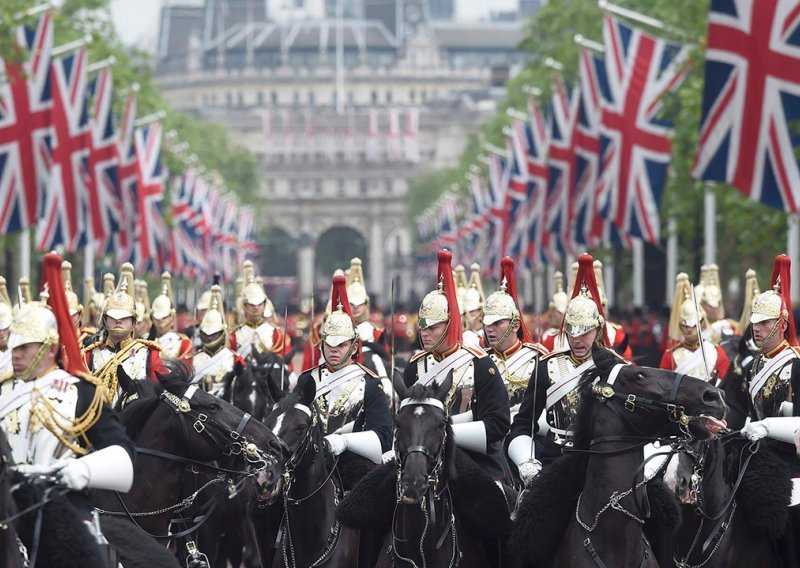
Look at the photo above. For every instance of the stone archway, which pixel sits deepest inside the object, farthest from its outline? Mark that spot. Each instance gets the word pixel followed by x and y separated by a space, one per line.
pixel 334 249
pixel 278 253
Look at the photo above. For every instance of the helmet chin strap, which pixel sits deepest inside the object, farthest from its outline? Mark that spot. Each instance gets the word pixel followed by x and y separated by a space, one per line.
pixel 771 335
pixel 440 340
pixel 27 374
pixel 505 336
pixel 347 359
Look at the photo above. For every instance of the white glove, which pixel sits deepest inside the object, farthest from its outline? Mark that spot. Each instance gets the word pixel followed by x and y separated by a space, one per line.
pixel 336 443
pixel 754 431
pixel 73 473
pixel 35 469
pixel 529 470
pixel 387 456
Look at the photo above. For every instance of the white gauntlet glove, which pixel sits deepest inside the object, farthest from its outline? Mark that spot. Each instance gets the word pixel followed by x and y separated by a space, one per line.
pixel 336 443
pixel 529 470
pixel 754 431
pixel 73 473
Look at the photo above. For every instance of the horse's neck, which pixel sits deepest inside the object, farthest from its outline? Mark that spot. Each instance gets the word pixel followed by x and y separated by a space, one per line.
pixel 412 521
pixel 716 489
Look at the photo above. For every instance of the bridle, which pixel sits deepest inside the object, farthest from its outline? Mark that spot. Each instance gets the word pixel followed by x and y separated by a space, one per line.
pixel 435 491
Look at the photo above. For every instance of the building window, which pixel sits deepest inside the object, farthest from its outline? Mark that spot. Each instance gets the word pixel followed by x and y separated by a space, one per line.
pixel 296 97
pixel 274 97
pixel 228 99
pixel 318 187
pixel 363 187
pixel 311 98
pixel 424 95
pixel 389 186
pixel 388 96
pixel 260 98
pixel 374 97
pixel 351 100
pixel 240 99
pixel 340 190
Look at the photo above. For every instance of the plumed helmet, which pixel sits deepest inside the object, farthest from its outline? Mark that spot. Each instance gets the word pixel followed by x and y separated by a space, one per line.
pixel 163 305
pixel 684 310
pixel 338 326
pixel 74 305
pixel 460 279
pixel 328 308
pixel 441 305
pixel 584 311
pixel 356 290
pixel 473 295
pixel 121 303
pixel 33 323
pixel 559 300
pixel 712 292
pixel 214 318
pixel 252 292
pixel 504 304
pixel 751 290
pixel 776 302
pixel 23 292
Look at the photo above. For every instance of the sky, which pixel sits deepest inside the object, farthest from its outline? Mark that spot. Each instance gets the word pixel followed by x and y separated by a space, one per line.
pixel 137 20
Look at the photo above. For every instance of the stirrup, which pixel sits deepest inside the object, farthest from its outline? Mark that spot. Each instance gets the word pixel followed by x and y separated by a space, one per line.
pixel 195 558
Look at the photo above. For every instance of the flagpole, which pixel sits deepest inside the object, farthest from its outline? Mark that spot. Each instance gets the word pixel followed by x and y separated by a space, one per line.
pixel 25 253
pixel 709 226
pixel 638 272
pixel 608 280
pixel 672 258
pixel 793 249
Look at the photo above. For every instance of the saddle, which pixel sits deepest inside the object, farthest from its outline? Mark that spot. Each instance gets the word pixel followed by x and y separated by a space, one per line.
pixel 372 501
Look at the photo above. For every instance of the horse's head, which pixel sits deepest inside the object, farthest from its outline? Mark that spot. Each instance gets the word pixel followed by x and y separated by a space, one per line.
pixel 423 441
pixel 653 402
pixel 218 431
pixel 295 422
pixel 270 377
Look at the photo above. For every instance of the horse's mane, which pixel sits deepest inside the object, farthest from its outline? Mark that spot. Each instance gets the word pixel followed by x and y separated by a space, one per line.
pixel 175 375
pixel 419 392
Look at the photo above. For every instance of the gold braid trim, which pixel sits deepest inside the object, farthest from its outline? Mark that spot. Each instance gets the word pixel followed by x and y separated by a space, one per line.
pixel 107 374
pixel 149 343
pixel 7 377
pixel 66 429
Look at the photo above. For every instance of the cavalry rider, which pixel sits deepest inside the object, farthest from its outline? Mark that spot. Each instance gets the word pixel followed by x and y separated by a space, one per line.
pixel 312 356
pixel 557 379
pixel 214 360
pixel 173 345
pixel 478 402
pixel 710 362
pixel 6 316
pixel 56 419
pixel 552 338
pixel 773 377
pixel 720 328
pixel 75 307
pixel 616 334
pixel 92 306
pixel 354 408
pixel 507 337
pixel 256 333
pixel 141 297
pixel 200 308
pixel 118 351
pixel 470 303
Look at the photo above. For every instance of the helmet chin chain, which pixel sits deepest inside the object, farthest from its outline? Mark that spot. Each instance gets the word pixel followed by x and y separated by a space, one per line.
pixel 27 374
pixel 771 335
pixel 505 336
pixel 440 340
pixel 347 359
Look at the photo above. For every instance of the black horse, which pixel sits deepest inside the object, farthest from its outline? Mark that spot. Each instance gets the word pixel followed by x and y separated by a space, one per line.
pixel 734 494
pixel 258 387
pixel 310 535
pixel 621 409
pixel 179 429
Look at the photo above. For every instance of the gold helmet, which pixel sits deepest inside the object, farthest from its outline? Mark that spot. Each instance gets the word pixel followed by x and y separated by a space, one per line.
pixel 214 318
pixel 559 300
pixel 504 304
pixel 712 292
pixel 356 291
pixel 163 305
pixel 699 290
pixel 73 304
pixel 776 303
pixel 584 311
pixel 339 326
pixel 121 303
pixel 460 279
pixel 252 292
pixel 204 301
pixel 751 290
pixel 601 286
pixel 93 302
pixel 441 305
pixel 33 323
pixel 142 299
pixel 684 310
pixel 473 295
pixel 6 313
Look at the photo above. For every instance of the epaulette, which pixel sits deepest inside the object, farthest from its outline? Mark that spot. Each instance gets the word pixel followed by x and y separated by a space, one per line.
pixel 617 355
pixel 94 345
pixel 796 349
pixel 149 343
pixel 417 356
pixel 479 353
pixel 554 353
pixel 537 347
pixel 368 371
pixel 6 377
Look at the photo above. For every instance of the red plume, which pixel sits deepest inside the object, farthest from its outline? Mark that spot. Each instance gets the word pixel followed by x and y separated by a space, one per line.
pixel 445 276
pixel 783 270
pixel 57 300
pixel 507 272
pixel 339 298
pixel 586 276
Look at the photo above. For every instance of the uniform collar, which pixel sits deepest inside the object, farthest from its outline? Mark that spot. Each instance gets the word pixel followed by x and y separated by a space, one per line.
pixel 577 361
pixel 447 353
pixel 121 345
pixel 510 351
pixel 781 346
pixel 690 346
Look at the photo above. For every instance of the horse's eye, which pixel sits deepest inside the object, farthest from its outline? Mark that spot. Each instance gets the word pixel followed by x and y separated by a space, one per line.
pixel 300 428
pixel 640 377
pixel 213 407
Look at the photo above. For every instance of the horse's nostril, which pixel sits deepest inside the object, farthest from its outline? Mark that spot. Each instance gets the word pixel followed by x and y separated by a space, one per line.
pixel 711 396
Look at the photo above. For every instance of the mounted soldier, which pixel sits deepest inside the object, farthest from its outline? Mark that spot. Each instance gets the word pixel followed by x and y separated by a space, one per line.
pixel 312 355
pixel 477 402
pixel 692 354
pixel 118 351
pixel 93 306
pixel 173 345
pixel 470 303
pixel 56 418
pixel 143 325
pixel 720 327
pixel 508 339
pixel 257 332
pixel 5 322
pixel 354 408
pixel 214 360
pixel 200 309
pixel 555 387
pixel 555 315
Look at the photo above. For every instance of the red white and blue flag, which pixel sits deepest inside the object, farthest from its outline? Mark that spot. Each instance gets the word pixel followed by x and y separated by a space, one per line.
pixel 149 193
pixel 62 221
pixel 635 143
pixel 127 176
pixel 25 121
pixel 751 100
pixel 537 142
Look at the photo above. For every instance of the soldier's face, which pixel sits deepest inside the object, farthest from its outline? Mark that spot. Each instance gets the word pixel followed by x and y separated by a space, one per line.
pixel 4 333
pixel 22 356
pixel 689 332
pixel 335 355
pixel 163 325
pixel 761 331
pixel 254 313
pixel 359 310
pixel 498 329
pixel 119 329
pixel 581 346
pixel 431 335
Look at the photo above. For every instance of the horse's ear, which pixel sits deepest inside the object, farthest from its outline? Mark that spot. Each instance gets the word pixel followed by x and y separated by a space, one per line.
pixel 440 390
pixel 307 388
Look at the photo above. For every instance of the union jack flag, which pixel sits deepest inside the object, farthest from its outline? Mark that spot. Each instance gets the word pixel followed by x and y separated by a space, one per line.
pixel 751 97
pixel 537 141
pixel 499 178
pixel 25 120
pixel 150 192
pixel 61 220
pixel 127 174
pixel 102 203
pixel 635 143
